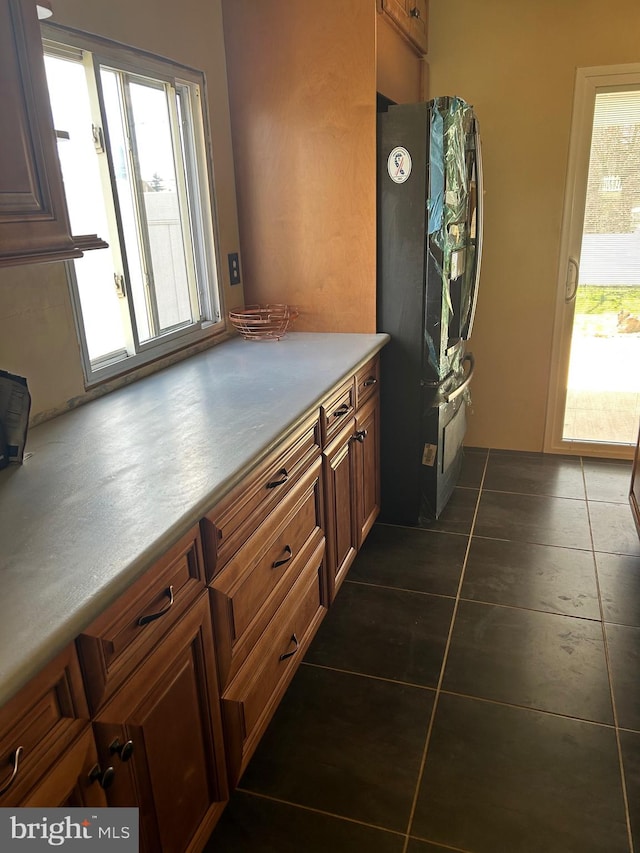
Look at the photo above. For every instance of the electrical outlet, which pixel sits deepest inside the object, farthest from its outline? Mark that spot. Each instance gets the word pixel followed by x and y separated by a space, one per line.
pixel 234 268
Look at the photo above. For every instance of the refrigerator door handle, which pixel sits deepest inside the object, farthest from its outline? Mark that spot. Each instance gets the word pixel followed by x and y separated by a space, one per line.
pixel 437 383
pixel 447 398
pixel 479 229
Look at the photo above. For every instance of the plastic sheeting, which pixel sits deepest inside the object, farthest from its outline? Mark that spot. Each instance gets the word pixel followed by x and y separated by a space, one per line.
pixel 451 223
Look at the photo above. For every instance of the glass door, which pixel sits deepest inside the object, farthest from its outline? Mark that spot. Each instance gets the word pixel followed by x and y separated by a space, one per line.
pixel 595 391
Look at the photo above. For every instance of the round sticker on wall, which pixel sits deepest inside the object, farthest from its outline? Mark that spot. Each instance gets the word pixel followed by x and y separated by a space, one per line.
pixel 399 165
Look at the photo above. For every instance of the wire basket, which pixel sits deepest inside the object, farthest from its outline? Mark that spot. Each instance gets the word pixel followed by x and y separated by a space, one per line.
pixel 263 322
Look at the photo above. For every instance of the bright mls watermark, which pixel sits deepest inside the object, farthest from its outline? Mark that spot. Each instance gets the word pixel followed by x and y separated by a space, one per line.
pixel 75 829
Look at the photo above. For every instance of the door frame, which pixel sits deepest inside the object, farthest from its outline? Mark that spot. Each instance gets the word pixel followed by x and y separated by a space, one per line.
pixel 588 81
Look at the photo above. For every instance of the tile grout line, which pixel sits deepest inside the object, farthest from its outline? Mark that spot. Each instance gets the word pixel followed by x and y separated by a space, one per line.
pixel 324 812
pixel 616 727
pixel 444 663
pixel 341 817
pixel 500 702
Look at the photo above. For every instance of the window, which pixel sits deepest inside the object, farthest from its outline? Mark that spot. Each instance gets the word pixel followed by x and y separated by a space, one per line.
pixel 131 142
pixel 610 183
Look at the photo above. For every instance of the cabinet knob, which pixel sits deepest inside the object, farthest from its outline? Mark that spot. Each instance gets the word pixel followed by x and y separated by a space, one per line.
pixel 124 750
pixel 104 779
pixel 370 381
pixel 360 435
pixel 415 12
pixel 14 759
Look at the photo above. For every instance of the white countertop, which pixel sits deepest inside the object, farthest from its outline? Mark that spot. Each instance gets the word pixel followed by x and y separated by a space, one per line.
pixel 109 486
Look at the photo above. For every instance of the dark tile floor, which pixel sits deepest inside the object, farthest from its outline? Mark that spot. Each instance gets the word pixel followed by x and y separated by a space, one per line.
pixel 476 685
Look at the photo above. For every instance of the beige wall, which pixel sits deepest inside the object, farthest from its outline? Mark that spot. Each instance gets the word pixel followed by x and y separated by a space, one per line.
pixel 516 61
pixel 37 335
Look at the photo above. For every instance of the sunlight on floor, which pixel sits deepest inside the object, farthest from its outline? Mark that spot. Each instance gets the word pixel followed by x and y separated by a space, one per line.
pixel 603 403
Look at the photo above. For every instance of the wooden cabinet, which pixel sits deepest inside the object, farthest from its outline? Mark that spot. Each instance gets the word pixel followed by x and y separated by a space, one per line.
pixel 163 699
pixel 337 411
pixel 341 505
pixel 47 752
pixel 162 733
pixel 265 549
pixel 34 225
pixel 352 478
pixel 409 17
pixel 112 646
pixel 634 492
pixel 272 574
pixel 250 700
pixel 367 437
pixel 150 673
pixel 248 591
pixel 233 520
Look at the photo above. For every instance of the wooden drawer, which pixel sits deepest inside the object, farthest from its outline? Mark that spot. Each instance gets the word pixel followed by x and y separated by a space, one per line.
pixel 246 593
pixel 232 521
pixel 367 381
pixel 253 695
pixel 113 645
pixel 335 411
pixel 38 725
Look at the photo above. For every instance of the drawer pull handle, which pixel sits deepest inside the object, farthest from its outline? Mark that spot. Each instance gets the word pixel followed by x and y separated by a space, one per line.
pixel 105 780
pixel 283 479
pixel 370 381
pixel 124 750
pixel 286 655
pixel 144 620
pixel 360 435
pixel 288 552
pixel 15 757
pixel 342 410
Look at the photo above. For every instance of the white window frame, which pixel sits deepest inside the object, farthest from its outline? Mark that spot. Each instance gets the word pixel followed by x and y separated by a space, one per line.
pixel 588 82
pixel 199 201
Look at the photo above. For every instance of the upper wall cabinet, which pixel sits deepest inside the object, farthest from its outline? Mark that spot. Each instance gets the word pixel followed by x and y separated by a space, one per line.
pixel 410 18
pixel 34 225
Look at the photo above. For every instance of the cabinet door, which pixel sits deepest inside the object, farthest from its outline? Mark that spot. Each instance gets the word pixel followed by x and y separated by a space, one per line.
pixel 410 18
pixel 367 437
pixel 162 734
pixel 33 218
pixel 341 506
pixel 38 727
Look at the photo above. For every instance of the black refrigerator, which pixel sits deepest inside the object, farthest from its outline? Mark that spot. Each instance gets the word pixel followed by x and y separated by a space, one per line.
pixel 429 252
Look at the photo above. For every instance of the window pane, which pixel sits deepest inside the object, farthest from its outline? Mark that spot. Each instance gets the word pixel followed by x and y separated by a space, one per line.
pixel 101 307
pixel 135 167
pixel 161 198
pixel 114 109
pixel 603 391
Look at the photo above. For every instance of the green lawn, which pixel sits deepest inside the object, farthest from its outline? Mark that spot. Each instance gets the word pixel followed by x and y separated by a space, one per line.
pixel 596 299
